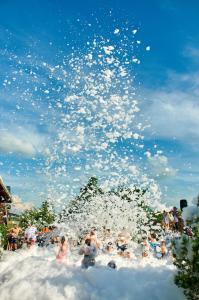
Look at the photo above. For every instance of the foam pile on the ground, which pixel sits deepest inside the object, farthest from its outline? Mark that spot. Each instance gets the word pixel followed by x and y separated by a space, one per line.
pixel 35 275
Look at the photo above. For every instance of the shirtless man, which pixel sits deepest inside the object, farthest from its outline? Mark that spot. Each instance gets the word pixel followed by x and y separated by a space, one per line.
pixel 13 237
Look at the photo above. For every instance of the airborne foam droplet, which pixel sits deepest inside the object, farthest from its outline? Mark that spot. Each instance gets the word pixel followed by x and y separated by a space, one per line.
pixel 90 118
pixel 98 123
pixel 116 31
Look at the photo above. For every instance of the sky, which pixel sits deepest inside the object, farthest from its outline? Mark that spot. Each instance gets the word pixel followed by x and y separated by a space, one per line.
pixel 42 41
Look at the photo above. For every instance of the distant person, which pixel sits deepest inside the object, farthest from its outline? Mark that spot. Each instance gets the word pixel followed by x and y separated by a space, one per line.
pixel 45 230
pixel 30 235
pixel 11 240
pixel 188 231
pixel 175 218
pixel 108 249
pixel 145 248
pixel 181 225
pixel 112 264
pixel 106 233
pixel 153 241
pixel 171 220
pixel 166 220
pixel 89 251
pixel 94 239
pixel 5 218
pixel 163 250
pixel 122 246
pixel 13 237
pixel 121 243
pixel 63 250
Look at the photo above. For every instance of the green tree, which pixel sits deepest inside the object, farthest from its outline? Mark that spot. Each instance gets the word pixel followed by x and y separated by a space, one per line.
pixel 187 262
pixel 41 217
pixel 3 237
pixel 90 190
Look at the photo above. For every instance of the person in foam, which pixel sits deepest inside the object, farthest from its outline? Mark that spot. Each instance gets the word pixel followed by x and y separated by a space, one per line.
pixel 63 250
pixel 89 251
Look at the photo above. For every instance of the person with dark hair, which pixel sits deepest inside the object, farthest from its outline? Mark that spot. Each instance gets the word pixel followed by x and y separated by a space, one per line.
pixel 121 243
pixel 108 249
pixel 5 218
pixel 112 264
pixel 176 218
pixel 165 220
pixel 163 250
pixel 89 251
pixel 63 250
pixel 153 242
pixel 92 235
pixel 145 247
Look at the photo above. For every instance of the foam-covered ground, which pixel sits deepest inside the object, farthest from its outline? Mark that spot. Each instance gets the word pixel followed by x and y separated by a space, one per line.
pixel 35 275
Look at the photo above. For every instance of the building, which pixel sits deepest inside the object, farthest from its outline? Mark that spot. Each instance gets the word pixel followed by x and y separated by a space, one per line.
pixel 5 201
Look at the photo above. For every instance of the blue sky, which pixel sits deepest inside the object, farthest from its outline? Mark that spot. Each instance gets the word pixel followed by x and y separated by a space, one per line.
pixel 38 35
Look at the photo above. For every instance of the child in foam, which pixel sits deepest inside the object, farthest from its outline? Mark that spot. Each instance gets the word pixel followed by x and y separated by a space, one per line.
pixel 63 250
pixel 122 243
pixel 145 248
pixel 107 248
pixel 153 241
pixel 166 220
pixel 122 246
pixel 163 247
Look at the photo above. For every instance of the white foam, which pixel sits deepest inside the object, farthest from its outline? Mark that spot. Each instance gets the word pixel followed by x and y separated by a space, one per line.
pixel 36 275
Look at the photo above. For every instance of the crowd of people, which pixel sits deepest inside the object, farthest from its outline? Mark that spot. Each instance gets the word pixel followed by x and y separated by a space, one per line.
pixel 159 248
pixel 172 220
pixel 89 245
pixel 17 237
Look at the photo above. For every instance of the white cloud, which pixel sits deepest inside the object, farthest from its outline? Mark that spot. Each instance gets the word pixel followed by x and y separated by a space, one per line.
pixel 159 165
pixel 174 110
pixel 24 141
pixel 191 52
pixel 19 205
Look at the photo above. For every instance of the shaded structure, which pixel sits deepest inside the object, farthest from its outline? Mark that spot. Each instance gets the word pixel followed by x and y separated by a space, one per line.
pixel 183 203
pixel 5 200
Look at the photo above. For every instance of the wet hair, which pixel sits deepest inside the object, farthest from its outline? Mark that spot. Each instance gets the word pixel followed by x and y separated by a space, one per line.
pixel 88 242
pixel 63 239
pixel 153 235
pixel 112 264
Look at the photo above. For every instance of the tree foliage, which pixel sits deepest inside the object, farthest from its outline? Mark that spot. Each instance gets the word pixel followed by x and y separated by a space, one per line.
pixel 3 237
pixel 41 217
pixel 90 190
pixel 117 209
pixel 187 262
